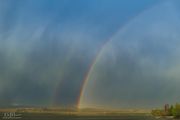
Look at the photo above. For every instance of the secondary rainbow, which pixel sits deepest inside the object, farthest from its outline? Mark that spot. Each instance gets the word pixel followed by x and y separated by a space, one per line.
pixel 97 56
pixel 100 52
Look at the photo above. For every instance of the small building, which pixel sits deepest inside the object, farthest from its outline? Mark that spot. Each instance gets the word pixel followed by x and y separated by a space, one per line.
pixel 166 107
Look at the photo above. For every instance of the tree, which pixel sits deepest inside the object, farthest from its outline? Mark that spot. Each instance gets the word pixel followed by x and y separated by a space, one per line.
pixel 171 110
pixel 176 111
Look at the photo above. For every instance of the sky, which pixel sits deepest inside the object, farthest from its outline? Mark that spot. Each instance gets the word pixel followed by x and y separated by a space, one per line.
pixel 89 53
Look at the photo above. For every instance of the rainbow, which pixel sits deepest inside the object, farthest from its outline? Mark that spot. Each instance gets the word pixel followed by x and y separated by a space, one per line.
pixel 91 67
pixel 99 54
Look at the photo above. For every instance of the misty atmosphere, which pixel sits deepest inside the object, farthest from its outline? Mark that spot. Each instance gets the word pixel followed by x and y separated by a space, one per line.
pixel 109 54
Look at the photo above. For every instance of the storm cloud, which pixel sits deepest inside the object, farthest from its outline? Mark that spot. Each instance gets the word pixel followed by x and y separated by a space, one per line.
pixel 47 47
pixel 139 66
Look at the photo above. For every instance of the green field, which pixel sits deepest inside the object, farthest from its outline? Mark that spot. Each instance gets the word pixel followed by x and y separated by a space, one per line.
pixel 74 114
pixel 53 116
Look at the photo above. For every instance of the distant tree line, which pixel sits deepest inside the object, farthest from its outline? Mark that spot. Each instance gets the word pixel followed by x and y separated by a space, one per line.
pixel 173 110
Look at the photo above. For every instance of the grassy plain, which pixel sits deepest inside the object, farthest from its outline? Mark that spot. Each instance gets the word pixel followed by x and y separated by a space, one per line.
pixel 73 114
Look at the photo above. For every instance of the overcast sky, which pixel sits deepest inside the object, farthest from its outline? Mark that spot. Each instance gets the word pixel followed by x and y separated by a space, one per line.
pixel 48 46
